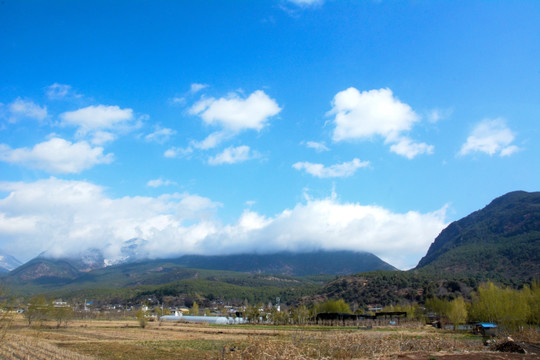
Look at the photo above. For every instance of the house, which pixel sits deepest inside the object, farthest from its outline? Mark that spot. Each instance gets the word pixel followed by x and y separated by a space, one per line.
pixel 485 329
pixel 60 304
pixel 374 308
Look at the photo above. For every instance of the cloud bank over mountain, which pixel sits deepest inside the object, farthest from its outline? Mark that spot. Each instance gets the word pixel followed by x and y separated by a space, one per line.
pixel 64 217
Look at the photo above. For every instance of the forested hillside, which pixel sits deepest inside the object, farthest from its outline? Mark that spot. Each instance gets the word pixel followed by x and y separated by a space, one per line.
pixel 501 241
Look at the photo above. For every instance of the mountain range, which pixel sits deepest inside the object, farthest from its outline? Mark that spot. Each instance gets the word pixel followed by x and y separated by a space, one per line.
pixel 500 242
pixel 44 273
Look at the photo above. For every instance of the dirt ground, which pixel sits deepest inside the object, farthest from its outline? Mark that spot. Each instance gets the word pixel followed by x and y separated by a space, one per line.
pixel 101 339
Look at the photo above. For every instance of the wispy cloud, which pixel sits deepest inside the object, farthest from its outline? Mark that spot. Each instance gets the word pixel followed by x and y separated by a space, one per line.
pixel 317 146
pixel 160 135
pixel 212 140
pixel 233 155
pixel 177 152
pixel 404 146
pixel 435 115
pixel 306 2
pixel 159 183
pixel 21 109
pixel 490 137
pixel 195 87
pixel 345 169
pixel 58 91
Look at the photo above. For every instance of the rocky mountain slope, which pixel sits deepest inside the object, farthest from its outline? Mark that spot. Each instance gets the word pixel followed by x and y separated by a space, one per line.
pixel 500 240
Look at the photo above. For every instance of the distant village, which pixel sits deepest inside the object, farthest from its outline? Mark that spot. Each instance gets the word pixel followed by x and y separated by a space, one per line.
pixel 218 312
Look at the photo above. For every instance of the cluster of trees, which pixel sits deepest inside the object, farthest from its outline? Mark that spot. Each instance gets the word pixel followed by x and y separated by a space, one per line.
pixel 505 306
pixel 454 311
pixel 299 315
pixel 413 310
pixel 332 306
pixel 509 308
pixel 141 318
pixel 40 309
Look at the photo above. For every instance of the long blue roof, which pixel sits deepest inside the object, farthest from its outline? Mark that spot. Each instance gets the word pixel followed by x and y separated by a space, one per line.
pixel 487 325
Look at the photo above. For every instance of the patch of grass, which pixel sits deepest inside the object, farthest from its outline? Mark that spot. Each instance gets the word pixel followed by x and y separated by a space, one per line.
pixel 155 349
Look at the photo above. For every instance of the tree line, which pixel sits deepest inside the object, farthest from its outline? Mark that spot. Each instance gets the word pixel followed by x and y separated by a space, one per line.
pixel 507 307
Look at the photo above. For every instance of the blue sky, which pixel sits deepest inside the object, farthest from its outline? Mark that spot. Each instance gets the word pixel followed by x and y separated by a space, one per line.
pixel 233 126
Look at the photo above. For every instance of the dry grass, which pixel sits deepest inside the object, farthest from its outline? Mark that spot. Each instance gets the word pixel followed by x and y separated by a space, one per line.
pixel 528 335
pixel 351 345
pixel 26 347
pixel 100 339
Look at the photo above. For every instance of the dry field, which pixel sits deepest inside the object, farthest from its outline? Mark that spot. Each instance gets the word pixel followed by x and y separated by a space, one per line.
pixel 98 339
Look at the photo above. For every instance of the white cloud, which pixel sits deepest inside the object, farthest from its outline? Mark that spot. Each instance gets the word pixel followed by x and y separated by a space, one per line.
pixel 102 137
pixel 97 117
pixel 364 115
pixel 306 2
pixel 436 115
pixel 57 156
pixel 235 113
pixel 66 217
pixel 317 146
pixel 232 114
pixel 177 152
pixel 345 169
pixel 92 120
pixel 212 140
pixel 509 150
pixel 401 239
pixel 408 148
pixel 490 137
pixel 159 182
pixel 20 109
pixel 58 91
pixel 160 135
pixel 195 88
pixel 361 115
pixel 232 155
pixel 178 100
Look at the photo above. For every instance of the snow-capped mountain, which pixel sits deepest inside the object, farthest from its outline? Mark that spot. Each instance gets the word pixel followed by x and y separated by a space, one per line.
pixel 8 262
pixel 90 259
pixel 132 250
